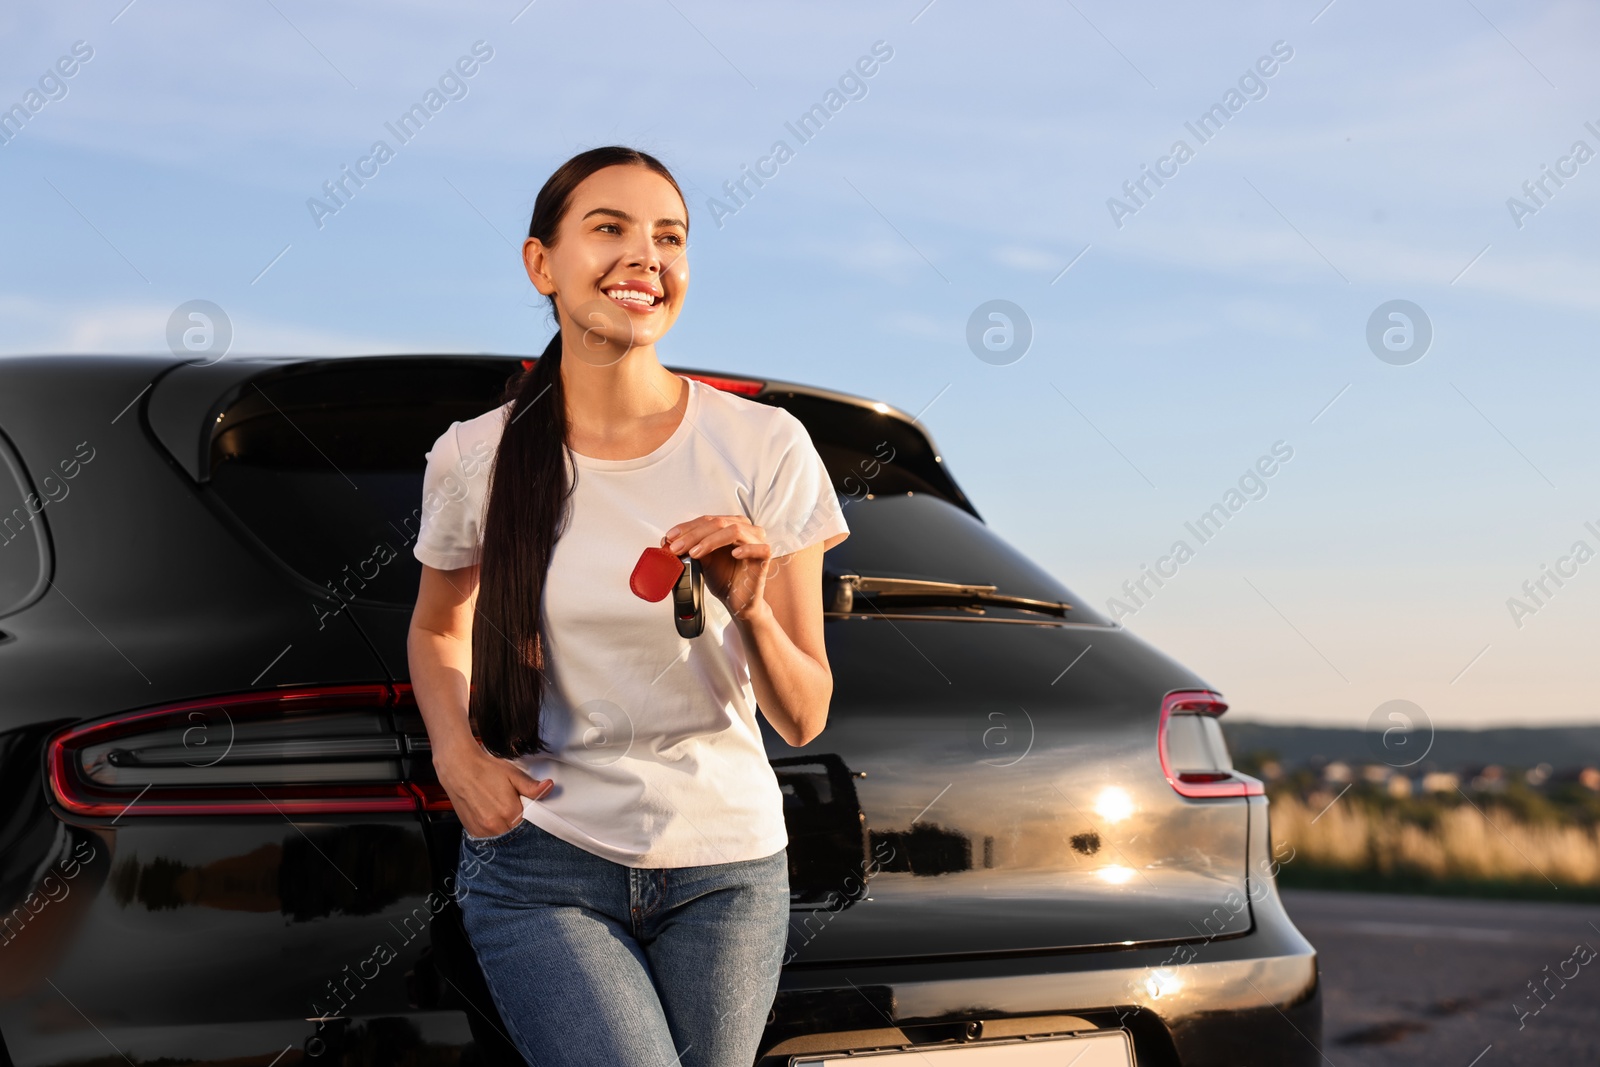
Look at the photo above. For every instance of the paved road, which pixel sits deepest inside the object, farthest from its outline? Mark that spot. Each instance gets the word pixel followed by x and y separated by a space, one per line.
pixel 1429 980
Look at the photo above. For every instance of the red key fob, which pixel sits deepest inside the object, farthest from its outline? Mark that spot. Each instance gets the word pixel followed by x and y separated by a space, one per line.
pixel 655 574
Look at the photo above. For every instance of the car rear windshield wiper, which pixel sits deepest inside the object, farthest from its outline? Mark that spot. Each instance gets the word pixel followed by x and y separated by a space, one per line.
pixel 908 591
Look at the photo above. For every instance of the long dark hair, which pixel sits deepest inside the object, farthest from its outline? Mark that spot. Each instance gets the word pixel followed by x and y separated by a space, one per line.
pixel 530 484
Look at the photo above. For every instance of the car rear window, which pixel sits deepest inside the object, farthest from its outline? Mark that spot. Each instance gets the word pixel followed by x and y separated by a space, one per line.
pixel 323 463
pixel 923 537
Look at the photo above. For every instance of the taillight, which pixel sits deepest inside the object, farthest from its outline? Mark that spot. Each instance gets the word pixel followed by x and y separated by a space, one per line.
pixel 1194 754
pixel 408 722
pixel 326 749
pixel 742 386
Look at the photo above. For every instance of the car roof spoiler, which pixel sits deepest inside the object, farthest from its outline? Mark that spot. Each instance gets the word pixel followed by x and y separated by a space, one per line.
pixel 188 398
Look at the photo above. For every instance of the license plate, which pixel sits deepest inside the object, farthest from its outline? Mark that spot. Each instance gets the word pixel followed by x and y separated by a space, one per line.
pixel 1108 1048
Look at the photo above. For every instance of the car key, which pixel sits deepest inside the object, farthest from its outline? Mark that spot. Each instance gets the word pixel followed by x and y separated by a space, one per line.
pixel 688 599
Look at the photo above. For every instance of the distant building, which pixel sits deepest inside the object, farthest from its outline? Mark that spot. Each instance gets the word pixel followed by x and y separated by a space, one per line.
pixel 1485 778
pixel 1587 777
pixel 1337 771
pixel 1376 773
pixel 1399 786
pixel 1440 782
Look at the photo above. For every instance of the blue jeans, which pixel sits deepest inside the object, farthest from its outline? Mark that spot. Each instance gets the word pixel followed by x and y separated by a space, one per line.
pixel 594 963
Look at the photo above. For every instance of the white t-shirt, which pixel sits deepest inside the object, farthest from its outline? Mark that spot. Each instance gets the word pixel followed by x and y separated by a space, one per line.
pixel 655 754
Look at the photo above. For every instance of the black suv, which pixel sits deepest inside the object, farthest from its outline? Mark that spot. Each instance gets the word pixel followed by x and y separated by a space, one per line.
pixel 221 840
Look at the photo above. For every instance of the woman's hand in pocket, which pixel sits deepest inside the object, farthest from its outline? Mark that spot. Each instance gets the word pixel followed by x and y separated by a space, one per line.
pixel 486 791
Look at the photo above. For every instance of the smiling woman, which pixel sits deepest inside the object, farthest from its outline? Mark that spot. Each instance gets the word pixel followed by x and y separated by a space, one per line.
pixel 615 762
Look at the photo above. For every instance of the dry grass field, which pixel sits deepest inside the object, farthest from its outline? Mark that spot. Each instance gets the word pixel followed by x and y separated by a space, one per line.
pixel 1466 848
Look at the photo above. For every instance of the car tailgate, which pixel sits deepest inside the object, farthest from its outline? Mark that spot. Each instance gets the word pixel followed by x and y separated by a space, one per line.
pixel 1004 786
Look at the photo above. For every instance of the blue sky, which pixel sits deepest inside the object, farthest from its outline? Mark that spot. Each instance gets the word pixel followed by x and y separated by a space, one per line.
pixel 1218 319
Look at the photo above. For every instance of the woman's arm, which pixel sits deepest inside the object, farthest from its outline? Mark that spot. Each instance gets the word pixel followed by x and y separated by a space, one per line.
pixel 485 790
pixel 777 605
pixel 788 657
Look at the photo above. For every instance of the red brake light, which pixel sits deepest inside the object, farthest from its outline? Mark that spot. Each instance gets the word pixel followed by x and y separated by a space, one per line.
pixel 322 749
pixel 1211 772
pixel 408 721
pixel 742 386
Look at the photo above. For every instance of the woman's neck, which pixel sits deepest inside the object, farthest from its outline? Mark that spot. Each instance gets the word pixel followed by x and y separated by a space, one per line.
pixel 622 410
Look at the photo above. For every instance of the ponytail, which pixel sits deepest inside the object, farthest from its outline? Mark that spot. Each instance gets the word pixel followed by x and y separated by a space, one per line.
pixel 530 484
pixel 519 536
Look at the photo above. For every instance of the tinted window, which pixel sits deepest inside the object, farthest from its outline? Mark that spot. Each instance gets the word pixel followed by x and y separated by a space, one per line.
pixel 923 537
pixel 324 463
